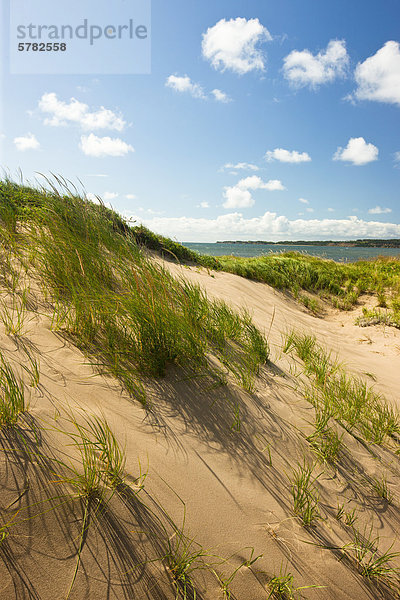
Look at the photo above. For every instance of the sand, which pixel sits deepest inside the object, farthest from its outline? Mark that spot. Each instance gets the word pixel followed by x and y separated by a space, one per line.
pixel 228 489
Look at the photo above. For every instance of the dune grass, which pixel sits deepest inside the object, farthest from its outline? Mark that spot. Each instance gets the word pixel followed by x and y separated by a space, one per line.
pixel 282 586
pixel 12 395
pixel 120 307
pixel 377 316
pixel 344 397
pixel 341 284
pixel 304 493
pixel 373 563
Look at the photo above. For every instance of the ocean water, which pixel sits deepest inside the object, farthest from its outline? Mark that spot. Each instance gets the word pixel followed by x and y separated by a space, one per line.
pixel 336 253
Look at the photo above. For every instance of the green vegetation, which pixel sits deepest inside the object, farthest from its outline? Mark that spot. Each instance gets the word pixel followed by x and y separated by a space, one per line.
pixel 338 395
pixel 12 397
pixel 374 316
pixel 170 249
pixel 119 306
pixel 282 586
pixel 380 486
pixel 372 563
pixel 340 284
pixel 305 495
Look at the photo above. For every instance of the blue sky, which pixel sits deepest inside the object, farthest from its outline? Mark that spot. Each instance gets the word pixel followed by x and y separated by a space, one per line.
pixel 259 120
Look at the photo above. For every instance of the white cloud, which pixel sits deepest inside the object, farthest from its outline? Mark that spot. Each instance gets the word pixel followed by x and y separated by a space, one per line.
pixel 91 145
pixel 331 209
pixel 204 205
pixel 378 210
pixel 185 84
pixel 26 142
pixel 304 201
pixel 221 96
pixel 150 211
pixel 378 77
pixel 131 196
pixel 233 45
pixel 96 175
pixel 269 226
pixel 62 113
pixel 238 196
pixel 304 68
pixel 110 196
pixel 309 209
pixel 357 152
pixel 254 182
pixel 397 157
pixel 235 197
pixel 242 166
pixel 287 156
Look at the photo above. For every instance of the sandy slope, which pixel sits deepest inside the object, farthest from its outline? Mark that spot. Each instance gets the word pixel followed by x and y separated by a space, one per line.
pixel 373 350
pixel 234 484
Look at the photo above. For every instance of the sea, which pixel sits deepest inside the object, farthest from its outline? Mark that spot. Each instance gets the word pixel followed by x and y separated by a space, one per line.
pixel 336 253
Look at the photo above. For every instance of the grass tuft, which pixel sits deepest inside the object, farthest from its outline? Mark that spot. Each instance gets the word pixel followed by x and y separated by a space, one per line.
pixel 305 495
pixel 12 396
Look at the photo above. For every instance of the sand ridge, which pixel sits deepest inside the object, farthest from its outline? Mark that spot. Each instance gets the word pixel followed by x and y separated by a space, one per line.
pixel 227 481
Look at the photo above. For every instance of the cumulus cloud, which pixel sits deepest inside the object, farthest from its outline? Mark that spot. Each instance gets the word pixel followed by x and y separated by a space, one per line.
pixel 204 205
pixel 378 77
pixel 239 196
pixel 221 96
pixel 233 45
pixel 64 113
pixel 185 85
pixel 302 68
pixel 357 152
pixel 397 157
pixel 254 182
pixel 235 197
pixel 378 210
pixel 26 142
pixel 131 196
pixel 241 166
pixel 91 145
pixel 270 225
pixel 304 201
pixel 287 156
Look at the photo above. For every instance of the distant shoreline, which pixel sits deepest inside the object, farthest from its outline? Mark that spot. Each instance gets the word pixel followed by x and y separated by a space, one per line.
pixel 372 243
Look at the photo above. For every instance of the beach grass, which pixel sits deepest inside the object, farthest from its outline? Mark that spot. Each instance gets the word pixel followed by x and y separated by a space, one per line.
pixel 347 398
pixel 119 306
pixel 12 395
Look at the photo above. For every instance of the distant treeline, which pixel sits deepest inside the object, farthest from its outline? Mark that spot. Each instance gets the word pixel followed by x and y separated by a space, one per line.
pixel 370 243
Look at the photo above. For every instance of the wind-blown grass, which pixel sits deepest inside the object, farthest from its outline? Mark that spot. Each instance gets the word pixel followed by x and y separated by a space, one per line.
pixel 305 494
pixel 12 396
pixel 342 396
pixel 119 306
pixel 373 563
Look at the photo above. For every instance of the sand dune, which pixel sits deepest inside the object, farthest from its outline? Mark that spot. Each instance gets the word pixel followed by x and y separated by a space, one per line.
pixel 225 481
